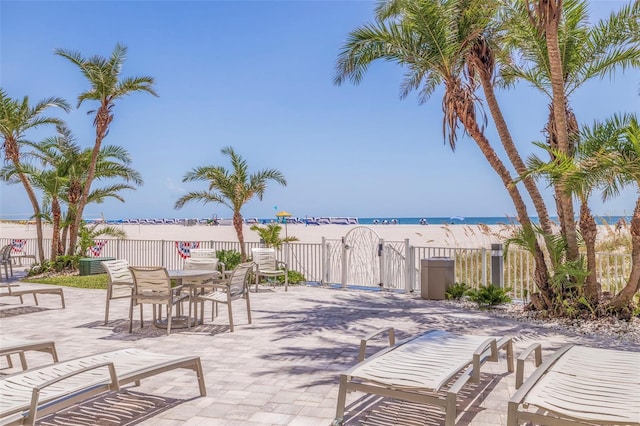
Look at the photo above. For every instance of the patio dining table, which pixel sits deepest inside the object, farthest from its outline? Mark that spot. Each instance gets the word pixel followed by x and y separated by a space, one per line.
pixel 196 275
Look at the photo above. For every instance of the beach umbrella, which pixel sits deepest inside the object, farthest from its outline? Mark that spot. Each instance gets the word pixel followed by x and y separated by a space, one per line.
pixel 283 215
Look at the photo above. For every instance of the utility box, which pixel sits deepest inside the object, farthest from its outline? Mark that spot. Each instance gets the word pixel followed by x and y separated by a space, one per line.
pixel 436 276
pixel 92 265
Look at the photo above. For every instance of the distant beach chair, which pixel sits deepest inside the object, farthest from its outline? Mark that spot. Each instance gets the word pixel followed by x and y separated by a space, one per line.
pixel 578 385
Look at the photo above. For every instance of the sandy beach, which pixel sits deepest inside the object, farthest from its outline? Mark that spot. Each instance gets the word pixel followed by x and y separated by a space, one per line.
pixel 467 236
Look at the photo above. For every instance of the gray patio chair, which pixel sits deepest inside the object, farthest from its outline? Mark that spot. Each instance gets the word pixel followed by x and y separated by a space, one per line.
pixel 152 285
pixel 578 385
pixel 233 288
pixel 120 285
pixel 30 394
pixel 5 260
pixel 430 369
pixel 268 266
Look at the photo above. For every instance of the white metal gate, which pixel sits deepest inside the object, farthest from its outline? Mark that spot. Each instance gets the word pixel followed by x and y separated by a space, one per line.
pixel 363 259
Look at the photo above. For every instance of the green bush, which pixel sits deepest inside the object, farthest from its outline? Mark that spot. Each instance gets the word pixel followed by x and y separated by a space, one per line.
pixel 456 291
pixel 295 277
pixel 489 296
pixel 230 258
pixel 59 264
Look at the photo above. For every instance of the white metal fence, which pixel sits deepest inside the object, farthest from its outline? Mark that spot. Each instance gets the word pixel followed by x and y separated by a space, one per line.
pixel 398 262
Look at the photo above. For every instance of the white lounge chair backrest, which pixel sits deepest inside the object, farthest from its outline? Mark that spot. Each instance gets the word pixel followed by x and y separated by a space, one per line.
pixel 239 280
pixel 151 284
pixel 120 285
pixel 197 253
pixel 265 258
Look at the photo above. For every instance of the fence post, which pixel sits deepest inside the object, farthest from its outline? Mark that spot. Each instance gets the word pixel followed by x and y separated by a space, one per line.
pixel 343 273
pixel 323 262
pixel 484 267
pixel 497 265
pixel 381 260
pixel 407 266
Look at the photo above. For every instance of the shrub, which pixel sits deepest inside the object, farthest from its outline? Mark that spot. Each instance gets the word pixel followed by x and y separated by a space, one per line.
pixel 456 291
pixel 295 277
pixel 489 296
pixel 230 258
pixel 59 264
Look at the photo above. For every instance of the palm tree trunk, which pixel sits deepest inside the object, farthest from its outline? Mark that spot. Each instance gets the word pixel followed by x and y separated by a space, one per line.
pixel 625 297
pixel 541 275
pixel 237 224
pixel 55 238
pixel 589 233
pixel 102 121
pixel 513 154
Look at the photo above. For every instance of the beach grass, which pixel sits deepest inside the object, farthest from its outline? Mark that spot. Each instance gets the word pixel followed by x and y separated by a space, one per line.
pixel 98 281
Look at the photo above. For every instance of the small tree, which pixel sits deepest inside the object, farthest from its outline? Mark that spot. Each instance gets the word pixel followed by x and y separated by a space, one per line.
pixel 270 234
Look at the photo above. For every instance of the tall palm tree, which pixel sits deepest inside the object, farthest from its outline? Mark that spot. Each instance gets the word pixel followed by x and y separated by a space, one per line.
pixel 107 86
pixel 585 50
pixel 231 188
pixel 433 39
pixel 616 164
pixel 16 119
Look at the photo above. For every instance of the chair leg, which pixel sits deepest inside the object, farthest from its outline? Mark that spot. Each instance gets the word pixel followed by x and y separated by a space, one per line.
pixel 248 307
pixel 131 316
pixel 257 279
pixel 169 309
pixel 35 298
pixel 141 316
pixel 230 312
pixel 106 311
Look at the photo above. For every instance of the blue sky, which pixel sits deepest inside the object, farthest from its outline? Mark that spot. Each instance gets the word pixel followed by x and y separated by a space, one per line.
pixel 257 76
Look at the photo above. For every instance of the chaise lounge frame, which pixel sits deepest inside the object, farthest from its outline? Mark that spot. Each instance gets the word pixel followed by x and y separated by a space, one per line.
pixel 12 345
pixel 392 373
pixel 37 392
pixel 578 385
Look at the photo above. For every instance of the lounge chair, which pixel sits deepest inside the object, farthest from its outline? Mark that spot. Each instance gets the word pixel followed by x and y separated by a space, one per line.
pixel 267 265
pixel 15 345
pixel 33 291
pixel 233 288
pixel 430 368
pixel 37 392
pixel 120 285
pixel 578 385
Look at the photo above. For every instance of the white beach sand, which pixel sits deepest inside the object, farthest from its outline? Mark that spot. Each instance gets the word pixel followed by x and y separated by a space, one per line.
pixel 468 236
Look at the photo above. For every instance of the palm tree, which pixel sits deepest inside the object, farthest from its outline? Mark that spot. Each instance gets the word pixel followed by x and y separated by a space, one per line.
pixel 615 164
pixel 232 189
pixel 16 118
pixel 107 86
pixel 433 40
pixel 270 234
pixel 559 51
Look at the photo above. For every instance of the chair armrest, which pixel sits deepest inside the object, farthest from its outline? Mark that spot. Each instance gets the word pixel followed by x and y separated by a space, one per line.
pixel 536 349
pixel 365 340
pixel 35 395
pixel 280 262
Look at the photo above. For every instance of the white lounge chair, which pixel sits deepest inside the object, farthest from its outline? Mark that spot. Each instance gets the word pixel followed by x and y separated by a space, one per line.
pixel 10 345
pixel 422 369
pixel 37 392
pixel 578 385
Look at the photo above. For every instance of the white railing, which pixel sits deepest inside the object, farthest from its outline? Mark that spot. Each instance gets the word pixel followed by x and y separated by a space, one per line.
pixel 399 264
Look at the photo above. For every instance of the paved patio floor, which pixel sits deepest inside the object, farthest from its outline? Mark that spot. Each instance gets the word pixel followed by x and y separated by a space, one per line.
pixel 283 369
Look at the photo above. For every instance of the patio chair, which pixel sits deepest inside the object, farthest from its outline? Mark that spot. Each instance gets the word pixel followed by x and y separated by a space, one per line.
pixel 14 345
pixel 578 385
pixel 120 285
pixel 32 291
pixel 430 368
pixel 30 394
pixel 152 285
pixel 267 265
pixel 5 260
pixel 233 288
